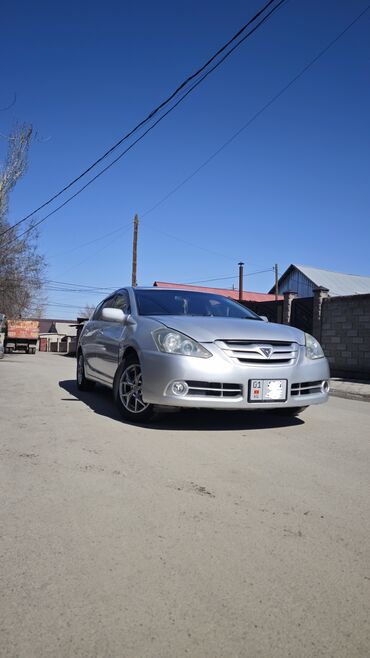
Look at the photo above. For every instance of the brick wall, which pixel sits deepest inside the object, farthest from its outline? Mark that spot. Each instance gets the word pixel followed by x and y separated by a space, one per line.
pixel 345 334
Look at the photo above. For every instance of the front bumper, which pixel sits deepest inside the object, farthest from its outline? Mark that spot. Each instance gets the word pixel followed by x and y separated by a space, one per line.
pixel 161 370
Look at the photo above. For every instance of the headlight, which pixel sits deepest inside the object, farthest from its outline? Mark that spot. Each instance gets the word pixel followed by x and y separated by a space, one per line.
pixel 313 348
pixel 172 342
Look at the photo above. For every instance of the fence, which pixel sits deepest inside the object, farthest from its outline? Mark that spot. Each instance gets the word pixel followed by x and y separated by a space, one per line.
pixel 345 334
pixel 272 310
pixel 341 324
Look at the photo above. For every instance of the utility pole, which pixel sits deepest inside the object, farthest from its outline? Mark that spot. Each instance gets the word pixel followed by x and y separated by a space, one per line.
pixel 276 281
pixel 134 252
pixel 241 265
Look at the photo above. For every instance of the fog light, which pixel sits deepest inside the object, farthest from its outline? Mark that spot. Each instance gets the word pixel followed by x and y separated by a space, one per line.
pixel 179 388
pixel 325 387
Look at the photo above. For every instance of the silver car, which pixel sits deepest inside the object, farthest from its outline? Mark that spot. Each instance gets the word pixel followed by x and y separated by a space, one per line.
pixel 182 348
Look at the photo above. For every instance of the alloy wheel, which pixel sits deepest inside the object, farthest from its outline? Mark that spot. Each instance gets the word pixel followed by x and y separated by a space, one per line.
pixel 130 386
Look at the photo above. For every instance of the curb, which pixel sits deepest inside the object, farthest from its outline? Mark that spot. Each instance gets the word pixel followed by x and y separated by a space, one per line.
pixel 363 397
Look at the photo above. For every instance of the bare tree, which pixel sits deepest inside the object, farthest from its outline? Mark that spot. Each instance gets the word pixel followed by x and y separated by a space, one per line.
pixel 87 311
pixel 15 163
pixel 21 267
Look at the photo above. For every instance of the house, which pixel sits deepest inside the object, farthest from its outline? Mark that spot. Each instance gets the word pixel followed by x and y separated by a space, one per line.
pixel 232 294
pixel 303 280
pixel 57 336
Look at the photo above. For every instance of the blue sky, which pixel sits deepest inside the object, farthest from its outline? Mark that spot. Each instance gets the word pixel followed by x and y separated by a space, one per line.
pixel 293 187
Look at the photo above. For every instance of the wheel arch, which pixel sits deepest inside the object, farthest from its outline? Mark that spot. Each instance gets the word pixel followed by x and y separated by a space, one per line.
pixel 129 351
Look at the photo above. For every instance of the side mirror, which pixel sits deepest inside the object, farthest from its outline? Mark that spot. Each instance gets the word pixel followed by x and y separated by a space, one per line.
pixel 113 315
pixel 263 317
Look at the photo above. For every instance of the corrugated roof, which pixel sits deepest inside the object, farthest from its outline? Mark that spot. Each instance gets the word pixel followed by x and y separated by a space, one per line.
pixel 233 294
pixel 45 324
pixel 65 328
pixel 336 282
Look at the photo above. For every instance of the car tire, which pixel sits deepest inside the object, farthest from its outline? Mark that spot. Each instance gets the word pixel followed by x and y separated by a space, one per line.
pixel 291 412
pixel 83 384
pixel 127 392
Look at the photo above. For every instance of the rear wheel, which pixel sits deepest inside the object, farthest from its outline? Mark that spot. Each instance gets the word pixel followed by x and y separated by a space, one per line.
pixel 291 412
pixel 128 391
pixel 83 384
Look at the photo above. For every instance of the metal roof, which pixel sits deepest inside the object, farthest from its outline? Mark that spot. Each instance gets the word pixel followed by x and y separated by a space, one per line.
pixel 232 294
pixel 337 283
pixel 64 328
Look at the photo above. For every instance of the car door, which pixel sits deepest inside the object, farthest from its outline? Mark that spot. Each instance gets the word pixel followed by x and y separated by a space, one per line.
pixel 92 345
pixel 109 338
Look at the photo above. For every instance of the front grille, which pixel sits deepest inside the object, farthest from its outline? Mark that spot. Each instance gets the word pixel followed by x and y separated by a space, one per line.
pixel 213 389
pixel 262 354
pixel 306 388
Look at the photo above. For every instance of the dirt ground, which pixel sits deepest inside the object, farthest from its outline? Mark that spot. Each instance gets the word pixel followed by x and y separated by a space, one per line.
pixel 210 535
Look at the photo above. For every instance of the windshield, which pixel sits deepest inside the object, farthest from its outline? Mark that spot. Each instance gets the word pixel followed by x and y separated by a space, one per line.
pixel 187 302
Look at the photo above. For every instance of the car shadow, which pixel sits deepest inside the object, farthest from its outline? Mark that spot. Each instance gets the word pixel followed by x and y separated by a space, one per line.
pixel 101 402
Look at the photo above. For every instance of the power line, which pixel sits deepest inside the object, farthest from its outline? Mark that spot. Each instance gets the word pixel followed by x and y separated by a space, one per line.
pixel 255 116
pixel 238 132
pixel 250 121
pixel 190 244
pixel 60 305
pixel 101 237
pixel 224 278
pixel 155 112
pixel 96 253
pixel 79 291
pixel 84 289
pixel 80 285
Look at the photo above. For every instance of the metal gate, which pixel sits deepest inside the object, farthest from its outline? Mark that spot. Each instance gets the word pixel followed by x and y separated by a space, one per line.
pixel 302 314
pixel 272 310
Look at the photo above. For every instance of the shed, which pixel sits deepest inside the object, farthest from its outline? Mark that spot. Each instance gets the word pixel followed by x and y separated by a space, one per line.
pixel 304 279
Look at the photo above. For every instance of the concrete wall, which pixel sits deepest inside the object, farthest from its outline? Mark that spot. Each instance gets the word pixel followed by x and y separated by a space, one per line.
pixel 345 334
pixel 341 324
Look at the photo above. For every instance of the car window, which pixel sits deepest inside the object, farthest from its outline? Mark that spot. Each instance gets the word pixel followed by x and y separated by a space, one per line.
pixel 122 301
pixel 107 303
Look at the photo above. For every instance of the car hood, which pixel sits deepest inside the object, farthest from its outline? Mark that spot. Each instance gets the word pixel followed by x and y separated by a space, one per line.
pixel 209 329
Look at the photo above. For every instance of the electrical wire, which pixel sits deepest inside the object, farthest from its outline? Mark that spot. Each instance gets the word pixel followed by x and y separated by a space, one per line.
pixel 138 139
pixel 253 118
pixel 60 305
pixel 224 278
pixel 196 246
pixel 154 112
pixel 61 286
pixel 189 244
pixel 272 100
pixel 96 253
pixel 80 285
pixel 101 237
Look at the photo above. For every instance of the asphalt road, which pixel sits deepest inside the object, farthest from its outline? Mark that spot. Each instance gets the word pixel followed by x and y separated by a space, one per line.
pixel 208 535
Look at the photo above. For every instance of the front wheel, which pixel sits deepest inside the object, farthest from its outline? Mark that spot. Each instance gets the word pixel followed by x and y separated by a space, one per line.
pixel 128 392
pixel 83 384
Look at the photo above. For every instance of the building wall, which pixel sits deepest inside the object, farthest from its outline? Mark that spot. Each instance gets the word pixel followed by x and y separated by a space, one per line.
pixel 297 282
pixel 345 334
pixel 341 324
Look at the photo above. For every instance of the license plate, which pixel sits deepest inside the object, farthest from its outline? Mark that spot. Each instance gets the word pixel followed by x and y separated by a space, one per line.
pixel 267 390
